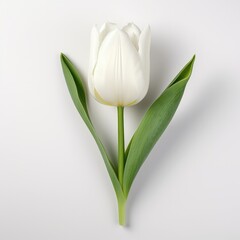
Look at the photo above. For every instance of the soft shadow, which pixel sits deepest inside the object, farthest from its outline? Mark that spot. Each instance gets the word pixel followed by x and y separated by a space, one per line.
pixel 204 105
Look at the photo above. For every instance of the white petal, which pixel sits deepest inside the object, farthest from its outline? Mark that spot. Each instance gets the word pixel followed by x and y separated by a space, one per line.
pixel 118 76
pixel 144 50
pixel 105 29
pixel 144 53
pixel 90 84
pixel 133 32
pixel 94 47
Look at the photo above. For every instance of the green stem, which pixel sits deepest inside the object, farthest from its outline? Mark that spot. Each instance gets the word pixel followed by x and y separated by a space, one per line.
pixel 121 150
pixel 122 212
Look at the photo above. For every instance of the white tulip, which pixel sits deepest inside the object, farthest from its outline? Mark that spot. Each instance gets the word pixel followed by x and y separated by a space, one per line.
pixel 119 64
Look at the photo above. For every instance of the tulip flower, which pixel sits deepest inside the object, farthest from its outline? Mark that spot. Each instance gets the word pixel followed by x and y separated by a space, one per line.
pixel 119 76
pixel 119 64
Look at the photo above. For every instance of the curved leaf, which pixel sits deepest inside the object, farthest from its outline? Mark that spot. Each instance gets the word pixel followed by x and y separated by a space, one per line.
pixel 153 124
pixel 76 89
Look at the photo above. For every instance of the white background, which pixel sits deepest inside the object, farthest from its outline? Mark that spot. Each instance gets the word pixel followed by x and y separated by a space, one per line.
pixel 53 182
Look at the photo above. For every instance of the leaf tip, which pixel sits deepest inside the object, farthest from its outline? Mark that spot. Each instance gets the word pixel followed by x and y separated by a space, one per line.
pixel 192 63
pixel 62 56
pixel 193 58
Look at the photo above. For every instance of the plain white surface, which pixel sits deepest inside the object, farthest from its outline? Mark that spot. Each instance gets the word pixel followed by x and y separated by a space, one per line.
pixel 53 183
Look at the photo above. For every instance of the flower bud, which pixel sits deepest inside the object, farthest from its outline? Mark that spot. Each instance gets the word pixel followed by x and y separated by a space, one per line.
pixel 119 64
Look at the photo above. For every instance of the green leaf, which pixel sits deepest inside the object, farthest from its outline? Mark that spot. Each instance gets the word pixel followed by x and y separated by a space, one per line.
pixel 153 124
pixel 76 89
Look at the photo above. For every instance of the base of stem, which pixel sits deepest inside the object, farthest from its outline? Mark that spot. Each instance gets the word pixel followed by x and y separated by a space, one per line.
pixel 122 213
